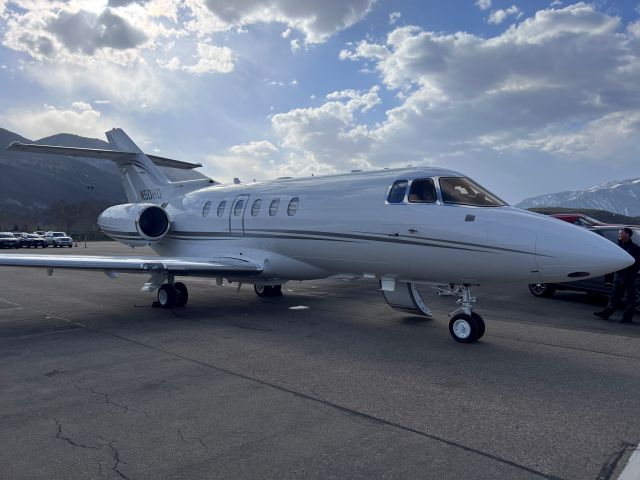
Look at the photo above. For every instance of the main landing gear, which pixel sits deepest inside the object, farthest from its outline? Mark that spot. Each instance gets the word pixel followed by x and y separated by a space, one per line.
pixel 465 325
pixel 172 295
pixel 268 290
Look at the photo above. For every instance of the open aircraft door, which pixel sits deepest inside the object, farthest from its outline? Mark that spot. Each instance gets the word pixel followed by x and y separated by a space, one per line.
pixel 236 215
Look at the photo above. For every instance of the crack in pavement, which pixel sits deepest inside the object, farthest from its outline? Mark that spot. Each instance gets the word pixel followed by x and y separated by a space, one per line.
pixel 369 417
pixel 109 401
pixel 116 458
pixel 97 447
pixel 59 436
pixel 199 440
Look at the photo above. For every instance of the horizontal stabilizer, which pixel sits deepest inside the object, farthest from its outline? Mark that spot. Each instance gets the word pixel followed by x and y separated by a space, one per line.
pixel 113 155
pixel 214 267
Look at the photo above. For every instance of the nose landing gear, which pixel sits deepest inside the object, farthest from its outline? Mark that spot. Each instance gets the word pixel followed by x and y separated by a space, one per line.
pixel 465 325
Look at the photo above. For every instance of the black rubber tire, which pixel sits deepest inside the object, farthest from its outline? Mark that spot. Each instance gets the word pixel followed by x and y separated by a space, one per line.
pixel 463 328
pixel 481 326
pixel 267 290
pixel 263 290
pixel 544 290
pixel 182 294
pixel 167 296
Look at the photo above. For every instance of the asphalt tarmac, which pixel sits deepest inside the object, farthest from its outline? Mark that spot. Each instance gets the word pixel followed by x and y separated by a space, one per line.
pixel 325 382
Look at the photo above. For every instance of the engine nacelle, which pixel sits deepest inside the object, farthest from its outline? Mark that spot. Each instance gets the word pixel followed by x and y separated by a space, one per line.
pixel 135 224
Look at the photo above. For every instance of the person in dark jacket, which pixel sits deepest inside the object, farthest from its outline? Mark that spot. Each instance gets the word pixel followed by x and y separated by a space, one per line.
pixel 624 281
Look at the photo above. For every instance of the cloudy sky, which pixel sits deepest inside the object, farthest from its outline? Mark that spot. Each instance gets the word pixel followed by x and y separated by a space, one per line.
pixel 527 97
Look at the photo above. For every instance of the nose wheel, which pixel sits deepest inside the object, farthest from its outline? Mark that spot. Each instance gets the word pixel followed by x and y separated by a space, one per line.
pixel 466 328
pixel 465 325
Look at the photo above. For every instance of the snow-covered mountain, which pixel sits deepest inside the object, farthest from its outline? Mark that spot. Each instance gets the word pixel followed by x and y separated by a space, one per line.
pixel 619 197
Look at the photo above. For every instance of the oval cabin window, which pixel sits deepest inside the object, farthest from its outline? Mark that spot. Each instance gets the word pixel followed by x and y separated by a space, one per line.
pixel 238 208
pixel 255 208
pixel 221 208
pixel 273 208
pixel 205 209
pixel 293 206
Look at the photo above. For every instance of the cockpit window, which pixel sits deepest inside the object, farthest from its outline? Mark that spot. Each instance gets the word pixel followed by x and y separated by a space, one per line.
pixel 397 192
pixel 423 191
pixel 463 191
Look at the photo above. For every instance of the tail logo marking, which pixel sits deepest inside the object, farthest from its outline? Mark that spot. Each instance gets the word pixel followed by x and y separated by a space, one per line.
pixel 150 194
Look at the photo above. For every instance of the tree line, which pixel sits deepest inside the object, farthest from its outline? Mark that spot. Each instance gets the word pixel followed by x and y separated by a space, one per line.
pixel 77 219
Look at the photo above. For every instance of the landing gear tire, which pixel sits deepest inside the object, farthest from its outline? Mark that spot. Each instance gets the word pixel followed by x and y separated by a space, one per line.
pixel 182 294
pixel 167 296
pixel 480 321
pixel 465 328
pixel 544 290
pixel 267 290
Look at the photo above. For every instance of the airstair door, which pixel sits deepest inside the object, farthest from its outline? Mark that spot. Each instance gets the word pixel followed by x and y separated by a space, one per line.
pixel 236 215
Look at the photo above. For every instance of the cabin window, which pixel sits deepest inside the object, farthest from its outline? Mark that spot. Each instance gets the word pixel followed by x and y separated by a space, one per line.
pixel 463 191
pixel 237 210
pixel 205 209
pixel 255 208
pixel 273 208
pixel 293 206
pixel 397 192
pixel 221 208
pixel 423 191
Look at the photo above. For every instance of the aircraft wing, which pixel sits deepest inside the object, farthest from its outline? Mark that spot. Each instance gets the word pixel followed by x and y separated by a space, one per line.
pixel 221 266
pixel 113 155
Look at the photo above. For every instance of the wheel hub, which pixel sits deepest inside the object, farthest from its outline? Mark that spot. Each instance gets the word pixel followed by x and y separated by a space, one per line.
pixel 461 328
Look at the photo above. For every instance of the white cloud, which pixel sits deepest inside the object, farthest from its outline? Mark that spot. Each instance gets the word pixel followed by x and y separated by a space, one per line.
pixel 483 4
pixel 394 17
pixel 120 42
pixel 329 133
pixel 256 149
pixel 546 84
pixel 498 16
pixel 132 86
pixel 81 119
pixel 610 136
pixel 316 20
pixel 210 59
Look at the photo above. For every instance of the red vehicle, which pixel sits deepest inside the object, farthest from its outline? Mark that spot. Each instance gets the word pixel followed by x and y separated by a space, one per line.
pixel 579 219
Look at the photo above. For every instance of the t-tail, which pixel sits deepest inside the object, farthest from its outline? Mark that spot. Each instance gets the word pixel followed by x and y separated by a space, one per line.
pixel 142 178
pixel 143 181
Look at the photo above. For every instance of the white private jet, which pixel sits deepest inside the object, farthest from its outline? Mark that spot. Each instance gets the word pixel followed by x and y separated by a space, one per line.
pixel 402 227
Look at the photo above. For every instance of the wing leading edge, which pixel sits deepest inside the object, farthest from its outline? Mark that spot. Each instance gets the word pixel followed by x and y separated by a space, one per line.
pixel 220 266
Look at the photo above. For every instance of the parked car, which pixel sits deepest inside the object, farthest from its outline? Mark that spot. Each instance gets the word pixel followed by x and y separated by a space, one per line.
pixel 19 235
pixel 31 240
pixel 58 239
pixel 8 240
pixel 596 285
pixel 579 219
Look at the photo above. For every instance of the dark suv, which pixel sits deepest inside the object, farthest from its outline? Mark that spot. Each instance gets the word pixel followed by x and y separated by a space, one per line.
pixel 596 285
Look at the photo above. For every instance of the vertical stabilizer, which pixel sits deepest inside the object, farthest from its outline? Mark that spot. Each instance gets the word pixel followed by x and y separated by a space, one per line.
pixel 142 180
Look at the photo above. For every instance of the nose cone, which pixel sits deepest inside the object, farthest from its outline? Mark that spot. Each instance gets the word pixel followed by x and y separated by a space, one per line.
pixel 565 252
